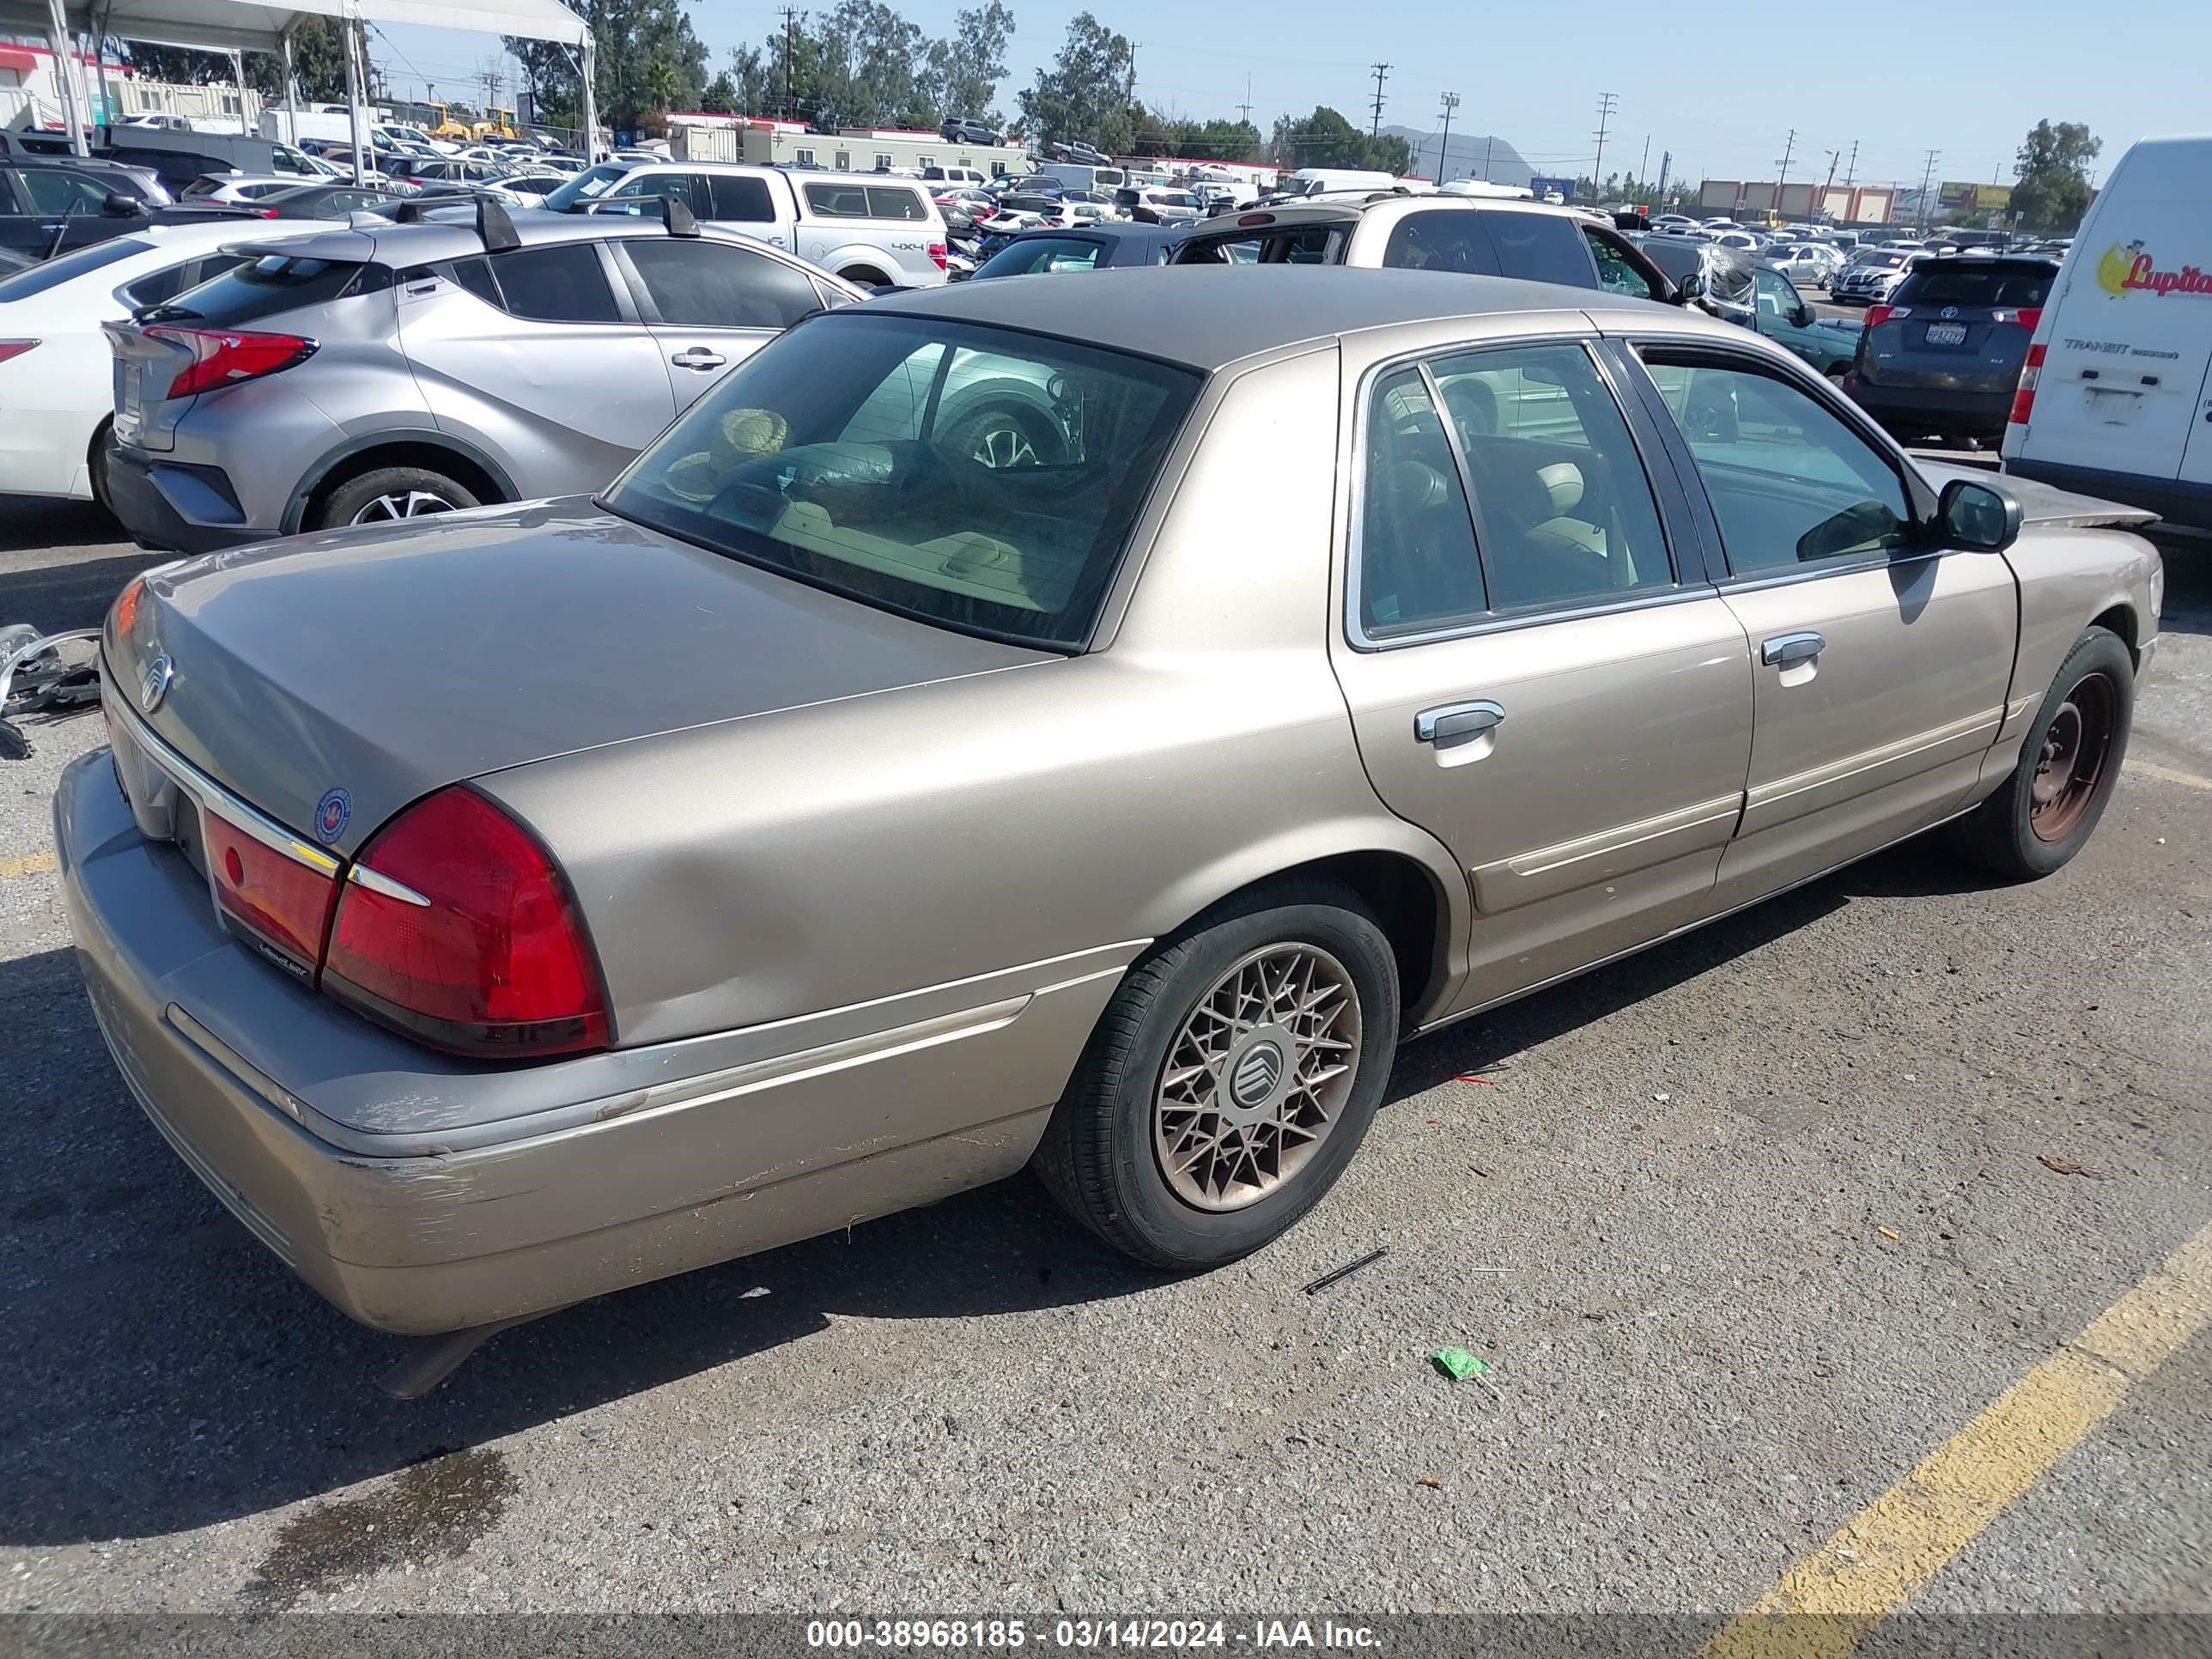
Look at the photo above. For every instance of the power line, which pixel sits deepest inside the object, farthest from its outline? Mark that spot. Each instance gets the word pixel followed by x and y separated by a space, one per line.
pixel 1607 102
pixel 1381 70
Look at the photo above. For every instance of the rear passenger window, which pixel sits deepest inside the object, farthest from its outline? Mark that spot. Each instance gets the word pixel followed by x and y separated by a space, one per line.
pixel 475 276
pixel 1789 481
pixel 1417 565
pixel 1442 242
pixel 712 284
pixel 741 201
pixel 889 204
pixel 1541 248
pixel 1563 510
pixel 838 200
pixel 561 283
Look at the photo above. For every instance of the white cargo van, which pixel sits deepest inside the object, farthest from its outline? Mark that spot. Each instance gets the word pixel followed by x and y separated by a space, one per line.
pixel 1320 181
pixel 2115 400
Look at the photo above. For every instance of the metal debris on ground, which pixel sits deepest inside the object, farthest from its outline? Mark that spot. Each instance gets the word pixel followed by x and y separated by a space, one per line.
pixel 1347 1270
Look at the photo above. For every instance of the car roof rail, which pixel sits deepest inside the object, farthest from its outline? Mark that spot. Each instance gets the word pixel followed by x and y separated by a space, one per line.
pixel 677 217
pixel 495 229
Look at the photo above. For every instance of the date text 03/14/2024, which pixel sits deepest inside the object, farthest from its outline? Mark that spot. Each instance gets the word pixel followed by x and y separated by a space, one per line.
pixel 1083 1634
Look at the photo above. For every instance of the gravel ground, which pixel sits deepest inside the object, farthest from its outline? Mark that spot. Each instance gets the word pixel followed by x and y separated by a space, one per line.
pixel 1768 1202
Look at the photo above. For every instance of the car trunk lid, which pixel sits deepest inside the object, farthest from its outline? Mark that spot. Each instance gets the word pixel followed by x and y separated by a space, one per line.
pixel 331 680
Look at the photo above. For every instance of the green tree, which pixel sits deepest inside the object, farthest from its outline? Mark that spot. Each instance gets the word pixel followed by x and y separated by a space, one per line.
pixel 635 38
pixel 1163 133
pixel 965 69
pixel 1083 98
pixel 720 96
pixel 317 64
pixel 1325 139
pixel 2053 169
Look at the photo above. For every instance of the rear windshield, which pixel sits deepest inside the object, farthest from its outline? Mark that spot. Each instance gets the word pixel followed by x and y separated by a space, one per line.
pixel 1984 282
pixel 975 477
pixel 54 272
pixel 263 287
pixel 586 186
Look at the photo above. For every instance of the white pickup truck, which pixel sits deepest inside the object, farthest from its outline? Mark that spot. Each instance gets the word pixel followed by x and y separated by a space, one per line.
pixel 868 228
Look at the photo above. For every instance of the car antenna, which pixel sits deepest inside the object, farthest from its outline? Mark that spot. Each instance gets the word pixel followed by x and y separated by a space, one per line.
pixel 495 228
pixel 677 217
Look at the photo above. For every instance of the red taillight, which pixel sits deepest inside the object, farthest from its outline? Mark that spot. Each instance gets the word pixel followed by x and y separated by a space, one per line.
pixel 274 895
pixel 15 348
pixel 2023 399
pixel 937 254
pixel 223 357
pixel 1882 314
pixel 469 939
pixel 2028 317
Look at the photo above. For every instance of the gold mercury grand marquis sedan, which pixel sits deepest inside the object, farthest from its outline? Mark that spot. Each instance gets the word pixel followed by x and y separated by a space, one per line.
pixel 1012 725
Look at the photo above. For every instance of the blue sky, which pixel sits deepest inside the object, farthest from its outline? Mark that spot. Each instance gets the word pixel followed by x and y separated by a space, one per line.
pixel 1967 79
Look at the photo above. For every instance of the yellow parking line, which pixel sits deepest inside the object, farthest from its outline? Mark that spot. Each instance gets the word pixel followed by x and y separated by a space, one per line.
pixel 31 864
pixel 2168 775
pixel 1830 1600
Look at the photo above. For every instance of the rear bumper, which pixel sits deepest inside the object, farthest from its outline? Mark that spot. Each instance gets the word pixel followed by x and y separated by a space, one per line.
pixel 175 508
pixel 2178 500
pixel 500 1220
pixel 1982 412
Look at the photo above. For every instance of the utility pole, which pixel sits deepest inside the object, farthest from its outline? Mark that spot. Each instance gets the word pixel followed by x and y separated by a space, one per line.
pixel 1643 166
pixel 790 45
pixel 1851 170
pixel 1666 164
pixel 1782 167
pixel 1834 156
pixel 1381 70
pixel 1926 180
pixel 1244 109
pixel 1443 150
pixel 1607 103
pixel 1489 144
pixel 1129 94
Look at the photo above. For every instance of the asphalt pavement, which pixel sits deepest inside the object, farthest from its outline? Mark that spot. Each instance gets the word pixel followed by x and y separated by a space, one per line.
pixel 1747 1226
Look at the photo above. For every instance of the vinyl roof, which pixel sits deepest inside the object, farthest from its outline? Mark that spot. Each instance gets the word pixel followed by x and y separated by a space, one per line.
pixel 1210 316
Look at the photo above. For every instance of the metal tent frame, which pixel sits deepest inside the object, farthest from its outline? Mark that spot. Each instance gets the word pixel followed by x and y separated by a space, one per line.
pixel 252 25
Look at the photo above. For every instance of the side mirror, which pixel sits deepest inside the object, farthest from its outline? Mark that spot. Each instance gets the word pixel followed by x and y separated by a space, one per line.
pixel 117 205
pixel 1983 518
pixel 1692 287
pixel 1803 317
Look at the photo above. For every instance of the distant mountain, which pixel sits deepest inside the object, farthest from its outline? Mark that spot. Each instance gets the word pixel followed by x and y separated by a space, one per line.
pixel 1467 157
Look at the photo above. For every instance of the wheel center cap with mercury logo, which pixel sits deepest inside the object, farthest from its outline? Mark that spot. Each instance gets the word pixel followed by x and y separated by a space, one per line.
pixel 1258 1075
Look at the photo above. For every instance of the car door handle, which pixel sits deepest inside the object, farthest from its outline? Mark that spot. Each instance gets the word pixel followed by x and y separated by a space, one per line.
pixel 1784 649
pixel 698 357
pixel 1451 724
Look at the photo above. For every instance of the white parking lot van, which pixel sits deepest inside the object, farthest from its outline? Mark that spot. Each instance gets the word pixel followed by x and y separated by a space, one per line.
pixel 2115 400
pixel 1321 181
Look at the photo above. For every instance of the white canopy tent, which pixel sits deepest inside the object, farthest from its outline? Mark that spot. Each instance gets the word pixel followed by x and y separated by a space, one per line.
pixel 250 26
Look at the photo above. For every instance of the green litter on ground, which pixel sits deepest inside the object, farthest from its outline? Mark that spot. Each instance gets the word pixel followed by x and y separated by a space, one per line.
pixel 1458 1363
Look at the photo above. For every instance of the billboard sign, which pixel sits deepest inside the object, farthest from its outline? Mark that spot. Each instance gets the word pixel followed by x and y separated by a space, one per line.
pixel 1544 187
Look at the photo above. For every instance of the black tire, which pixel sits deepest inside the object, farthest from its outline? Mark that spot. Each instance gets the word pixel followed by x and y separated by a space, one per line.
pixel 402 485
pixel 863 277
pixel 1098 1157
pixel 96 468
pixel 2001 833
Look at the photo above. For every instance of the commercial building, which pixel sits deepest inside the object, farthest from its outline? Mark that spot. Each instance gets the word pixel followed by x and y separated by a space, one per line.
pixel 700 137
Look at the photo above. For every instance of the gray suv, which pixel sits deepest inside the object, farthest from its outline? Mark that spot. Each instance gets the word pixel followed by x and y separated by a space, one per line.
pixel 386 371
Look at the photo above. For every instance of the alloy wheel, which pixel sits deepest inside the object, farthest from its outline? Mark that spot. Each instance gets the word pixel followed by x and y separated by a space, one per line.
pixel 407 504
pixel 1257 1077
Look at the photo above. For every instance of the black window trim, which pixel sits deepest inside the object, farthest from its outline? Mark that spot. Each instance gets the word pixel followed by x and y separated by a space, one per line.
pixel 1919 496
pixel 648 309
pixel 1692 566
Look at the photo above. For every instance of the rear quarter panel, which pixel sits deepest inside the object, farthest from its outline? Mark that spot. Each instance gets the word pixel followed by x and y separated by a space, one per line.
pixel 833 854
pixel 2069 577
